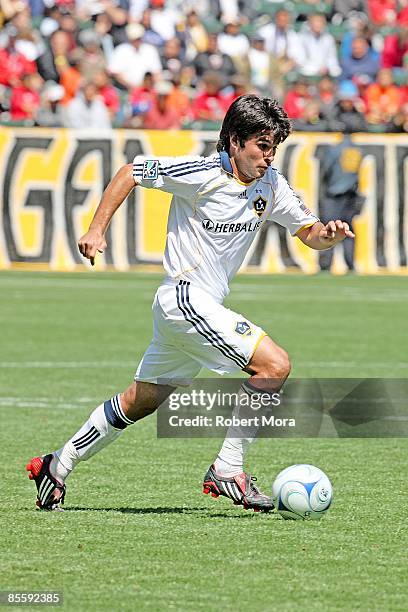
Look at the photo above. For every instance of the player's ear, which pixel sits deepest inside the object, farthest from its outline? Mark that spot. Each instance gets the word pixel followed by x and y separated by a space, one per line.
pixel 234 142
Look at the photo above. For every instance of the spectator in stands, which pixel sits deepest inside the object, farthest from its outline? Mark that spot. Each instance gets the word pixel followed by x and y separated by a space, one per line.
pixel 196 35
pixel 319 53
pixel 312 119
pixel 211 104
pixel 90 55
pixel 87 110
pixel 141 100
pixel 130 61
pixel 349 110
pixel 71 78
pixel 282 42
pixel 326 93
pixel 25 99
pixel 179 97
pixel 240 87
pixel 150 36
pixel 382 12
pixel 172 57
pixel 362 66
pixel 107 92
pixel 343 8
pixel 358 26
pixel 297 98
pixel 402 15
pixel 13 63
pixel 383 99
pixel 55 59
pixel 112 14
pixel 162 115
pixel 400 122
pixel 164 19
pixel 49 113
pixel 395 49
pixel 232 42
pixel 69 24
pixel 28 41
pixel 213 60
pixel 259 65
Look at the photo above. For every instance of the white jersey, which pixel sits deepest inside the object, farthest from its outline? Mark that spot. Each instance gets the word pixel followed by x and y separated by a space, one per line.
pixel 214 218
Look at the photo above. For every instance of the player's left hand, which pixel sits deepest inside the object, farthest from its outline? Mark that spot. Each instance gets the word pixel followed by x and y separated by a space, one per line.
pixel 334 232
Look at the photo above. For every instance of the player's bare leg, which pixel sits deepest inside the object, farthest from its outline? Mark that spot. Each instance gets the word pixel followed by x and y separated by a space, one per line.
pixel 269 368
pixel 104 425
pixel 141 399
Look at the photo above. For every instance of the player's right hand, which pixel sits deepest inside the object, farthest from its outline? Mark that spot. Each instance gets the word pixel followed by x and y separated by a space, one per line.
pixel 91 243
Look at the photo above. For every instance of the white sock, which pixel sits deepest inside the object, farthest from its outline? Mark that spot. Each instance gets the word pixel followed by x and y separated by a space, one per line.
pixel 104 425
pixel 230 459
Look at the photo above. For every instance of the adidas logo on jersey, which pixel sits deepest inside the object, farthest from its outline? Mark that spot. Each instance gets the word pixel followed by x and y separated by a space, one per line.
pixel 230 228
pixel 243 195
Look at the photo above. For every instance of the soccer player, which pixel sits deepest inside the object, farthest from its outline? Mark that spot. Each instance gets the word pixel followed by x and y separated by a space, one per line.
pixel 219 204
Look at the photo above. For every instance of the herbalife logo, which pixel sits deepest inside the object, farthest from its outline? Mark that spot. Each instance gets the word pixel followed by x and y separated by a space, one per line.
pixel 208 224
pixel 230 228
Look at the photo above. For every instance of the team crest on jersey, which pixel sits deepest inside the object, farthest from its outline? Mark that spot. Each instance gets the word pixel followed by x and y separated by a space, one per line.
pixel 151 169
pixel 243 329
pixel 259 205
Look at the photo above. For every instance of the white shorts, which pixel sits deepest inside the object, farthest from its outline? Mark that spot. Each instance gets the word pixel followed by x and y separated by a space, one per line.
pixel 191 330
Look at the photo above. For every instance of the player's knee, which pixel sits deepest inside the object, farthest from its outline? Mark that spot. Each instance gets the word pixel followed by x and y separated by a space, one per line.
pixel 276 366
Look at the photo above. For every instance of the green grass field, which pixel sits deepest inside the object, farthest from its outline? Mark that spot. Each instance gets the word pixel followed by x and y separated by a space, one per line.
pixel 137 533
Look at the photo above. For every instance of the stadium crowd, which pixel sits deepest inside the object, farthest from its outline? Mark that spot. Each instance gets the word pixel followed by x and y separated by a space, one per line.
pixel 159 64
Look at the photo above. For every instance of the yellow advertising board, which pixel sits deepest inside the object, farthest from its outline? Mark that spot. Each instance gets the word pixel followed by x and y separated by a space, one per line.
pixel 51 181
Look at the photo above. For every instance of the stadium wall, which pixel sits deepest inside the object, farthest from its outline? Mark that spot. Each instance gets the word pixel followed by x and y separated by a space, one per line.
pixel 51 182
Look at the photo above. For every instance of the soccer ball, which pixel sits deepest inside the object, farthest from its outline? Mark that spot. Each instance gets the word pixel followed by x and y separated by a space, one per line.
pixel 302 492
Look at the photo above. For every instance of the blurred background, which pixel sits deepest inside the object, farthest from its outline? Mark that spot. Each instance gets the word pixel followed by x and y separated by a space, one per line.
pixel 156 77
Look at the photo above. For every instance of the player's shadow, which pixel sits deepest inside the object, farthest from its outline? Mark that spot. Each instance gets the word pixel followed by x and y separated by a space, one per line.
pixel 163 510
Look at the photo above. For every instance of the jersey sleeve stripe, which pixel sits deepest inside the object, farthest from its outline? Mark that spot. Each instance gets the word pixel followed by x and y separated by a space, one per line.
pixel 191 171
pixel 202 162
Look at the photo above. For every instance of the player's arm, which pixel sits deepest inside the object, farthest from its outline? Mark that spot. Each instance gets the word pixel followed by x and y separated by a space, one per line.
pixel 115 193
pixel 319 236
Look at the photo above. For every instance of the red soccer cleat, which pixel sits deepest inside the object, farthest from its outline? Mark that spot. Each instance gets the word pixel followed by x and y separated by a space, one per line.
pixel 50 492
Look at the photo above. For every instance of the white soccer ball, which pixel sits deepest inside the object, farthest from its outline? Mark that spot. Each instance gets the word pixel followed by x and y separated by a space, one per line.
pixel 302 492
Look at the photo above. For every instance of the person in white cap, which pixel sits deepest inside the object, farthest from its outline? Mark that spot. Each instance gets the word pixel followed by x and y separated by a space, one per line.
pixel 130 61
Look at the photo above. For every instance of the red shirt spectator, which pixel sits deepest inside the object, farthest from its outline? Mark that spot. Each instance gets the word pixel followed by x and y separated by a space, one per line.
pixel 402 17
pixel 395 47
pixel 382 12
pixel 107 92
pixel 296 100
pixel 25 100
pixel 211 104
pixel 161 115
pixel 13 66
pixel 142 98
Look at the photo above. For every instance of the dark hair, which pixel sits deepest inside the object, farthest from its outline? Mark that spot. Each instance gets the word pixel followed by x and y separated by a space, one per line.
pixel 249 115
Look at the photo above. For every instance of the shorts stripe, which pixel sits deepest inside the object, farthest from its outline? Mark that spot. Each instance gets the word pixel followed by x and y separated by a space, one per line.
pixel 198 325
pixel 218 336
pixel 202 326
pixel 206 331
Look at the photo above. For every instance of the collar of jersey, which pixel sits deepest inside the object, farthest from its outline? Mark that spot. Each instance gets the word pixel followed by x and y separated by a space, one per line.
pixel 227 167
